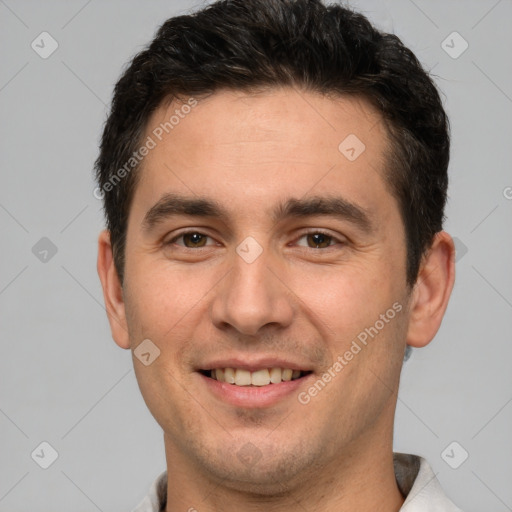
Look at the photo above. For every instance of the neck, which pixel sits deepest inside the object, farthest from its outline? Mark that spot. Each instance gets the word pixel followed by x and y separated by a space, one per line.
pixel 361 479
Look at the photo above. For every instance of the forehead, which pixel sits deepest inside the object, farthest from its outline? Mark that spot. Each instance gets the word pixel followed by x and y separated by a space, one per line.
pixel 248 148
pixel 287 117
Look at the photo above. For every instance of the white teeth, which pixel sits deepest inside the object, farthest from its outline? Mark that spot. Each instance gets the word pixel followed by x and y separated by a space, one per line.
pixel 229 375
pixel 243 378
pixel 287 374
pixel 275 375
pixel 261 377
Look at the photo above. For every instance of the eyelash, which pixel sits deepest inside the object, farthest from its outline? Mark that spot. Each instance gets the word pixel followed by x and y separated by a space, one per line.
pixel 312 232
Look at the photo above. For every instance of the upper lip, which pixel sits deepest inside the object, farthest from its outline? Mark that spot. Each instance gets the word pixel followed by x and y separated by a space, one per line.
pixel 254 364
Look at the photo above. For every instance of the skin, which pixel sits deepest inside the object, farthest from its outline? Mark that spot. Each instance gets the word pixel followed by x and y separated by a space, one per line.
pixel 297 301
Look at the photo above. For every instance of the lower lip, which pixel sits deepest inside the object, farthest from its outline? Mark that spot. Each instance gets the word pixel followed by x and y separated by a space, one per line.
pixel 253 396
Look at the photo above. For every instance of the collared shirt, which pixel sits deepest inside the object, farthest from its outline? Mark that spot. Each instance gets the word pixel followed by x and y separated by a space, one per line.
pixel 414 478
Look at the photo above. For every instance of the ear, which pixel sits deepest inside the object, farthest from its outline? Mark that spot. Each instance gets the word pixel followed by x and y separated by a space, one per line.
pixel 432 291
pixel 112 291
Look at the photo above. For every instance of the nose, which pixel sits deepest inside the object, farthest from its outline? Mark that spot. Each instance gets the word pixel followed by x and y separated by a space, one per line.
pixel 252 296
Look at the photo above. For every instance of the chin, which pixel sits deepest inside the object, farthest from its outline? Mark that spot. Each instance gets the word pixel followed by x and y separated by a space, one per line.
pixel 263 469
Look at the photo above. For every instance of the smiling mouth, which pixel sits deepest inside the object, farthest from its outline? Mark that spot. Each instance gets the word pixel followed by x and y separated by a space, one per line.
pixel 263 377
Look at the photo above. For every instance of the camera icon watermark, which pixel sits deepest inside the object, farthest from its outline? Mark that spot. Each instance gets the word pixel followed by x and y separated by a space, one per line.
pixel 44 455
pixel 146 352
pixel 249 455
pixel 44 45
pixel 461 249
pixel 44 250
pixel 249 249
pixel 351 147
pixel 454 45
pixel 454 455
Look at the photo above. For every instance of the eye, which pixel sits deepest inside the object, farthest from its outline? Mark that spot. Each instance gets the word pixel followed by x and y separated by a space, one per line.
pixel 191 240
pixel 196 240
pixel 318 240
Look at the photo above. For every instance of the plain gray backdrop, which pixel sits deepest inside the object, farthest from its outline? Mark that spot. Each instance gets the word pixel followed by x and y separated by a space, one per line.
pixel 64 381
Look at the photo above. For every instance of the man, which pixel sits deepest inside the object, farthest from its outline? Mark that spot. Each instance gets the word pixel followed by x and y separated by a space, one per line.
pixel 274 176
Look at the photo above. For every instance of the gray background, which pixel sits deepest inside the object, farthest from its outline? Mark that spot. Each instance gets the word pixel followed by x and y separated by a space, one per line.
pixel 64 381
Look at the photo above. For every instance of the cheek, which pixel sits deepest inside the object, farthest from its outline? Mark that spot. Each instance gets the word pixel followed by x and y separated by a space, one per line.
pixel 163 297
pixel 165 398
pixel 344 299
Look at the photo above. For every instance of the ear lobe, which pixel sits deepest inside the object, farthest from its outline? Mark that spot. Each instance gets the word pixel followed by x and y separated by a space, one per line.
pixel 431 291
pixel 112 291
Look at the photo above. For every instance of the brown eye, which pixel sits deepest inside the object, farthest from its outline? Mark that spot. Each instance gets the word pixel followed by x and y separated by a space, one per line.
pixel 318 240
pixel 195 239
pixel 191 240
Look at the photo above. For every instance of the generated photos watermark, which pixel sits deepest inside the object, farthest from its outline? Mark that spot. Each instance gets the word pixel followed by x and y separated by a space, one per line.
pixel 358 343
pixel 150 143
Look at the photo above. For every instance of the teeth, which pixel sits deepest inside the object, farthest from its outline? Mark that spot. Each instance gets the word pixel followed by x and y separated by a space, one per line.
pixel 243 378
pixel 275 375
pixel 258 378
pixel 287 374
pixel 229 375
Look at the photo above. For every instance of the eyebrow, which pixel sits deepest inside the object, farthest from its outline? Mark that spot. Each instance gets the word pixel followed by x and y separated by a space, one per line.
pixel 170 205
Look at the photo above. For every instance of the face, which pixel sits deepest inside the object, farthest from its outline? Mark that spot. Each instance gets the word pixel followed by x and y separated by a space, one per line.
pixel 263 238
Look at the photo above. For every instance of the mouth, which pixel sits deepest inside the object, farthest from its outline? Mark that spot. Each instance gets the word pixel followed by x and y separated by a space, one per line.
pixel 262 382
pixel 258 378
